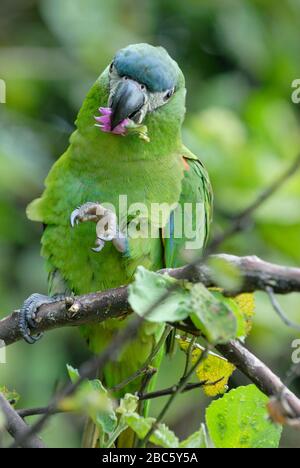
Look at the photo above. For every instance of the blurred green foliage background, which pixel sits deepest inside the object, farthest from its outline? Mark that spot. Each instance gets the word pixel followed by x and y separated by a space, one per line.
pixel 239 59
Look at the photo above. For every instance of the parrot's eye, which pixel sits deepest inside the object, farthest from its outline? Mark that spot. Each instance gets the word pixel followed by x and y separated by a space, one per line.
pixel 169 94
pixel 111 67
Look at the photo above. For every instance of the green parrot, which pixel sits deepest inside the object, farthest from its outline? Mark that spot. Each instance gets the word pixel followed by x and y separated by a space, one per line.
pixel 131 153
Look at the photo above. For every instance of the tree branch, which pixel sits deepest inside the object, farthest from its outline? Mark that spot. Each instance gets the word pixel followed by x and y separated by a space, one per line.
pixel 28 412
pixel 259 373
pixel 16 426
pixel 256 275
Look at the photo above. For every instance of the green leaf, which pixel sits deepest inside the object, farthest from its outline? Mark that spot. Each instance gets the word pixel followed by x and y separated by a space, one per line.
pixel 242 306
pixel 149 287
pixel 73 373
pixel 240 420
pixel 225 274
pixel 91 399
pixel 128 404
pixel 212 316
pixel 140 425
pixel 232 304
pixel 106 418
pixel 164 437
pixel 196 440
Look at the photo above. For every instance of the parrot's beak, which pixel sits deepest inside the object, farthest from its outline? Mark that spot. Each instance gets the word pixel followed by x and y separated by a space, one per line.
pixel 126 102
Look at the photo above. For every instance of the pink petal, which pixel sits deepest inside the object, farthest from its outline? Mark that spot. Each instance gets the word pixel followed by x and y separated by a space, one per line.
pixel 105 121
pixel 105 110
pixel 120 129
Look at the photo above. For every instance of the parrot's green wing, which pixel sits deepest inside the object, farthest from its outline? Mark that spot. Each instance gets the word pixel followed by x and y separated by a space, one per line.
pixel 189 225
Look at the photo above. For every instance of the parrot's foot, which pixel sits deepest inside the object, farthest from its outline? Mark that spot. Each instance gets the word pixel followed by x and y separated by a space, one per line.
pixel 27 315
pixel 107 226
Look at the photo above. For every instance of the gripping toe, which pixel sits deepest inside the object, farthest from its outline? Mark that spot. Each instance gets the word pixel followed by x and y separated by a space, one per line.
pixel 27 316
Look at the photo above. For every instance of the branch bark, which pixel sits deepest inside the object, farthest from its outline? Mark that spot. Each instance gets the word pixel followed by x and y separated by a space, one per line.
pixel 17 427
pixel 256 275
pixel 259 373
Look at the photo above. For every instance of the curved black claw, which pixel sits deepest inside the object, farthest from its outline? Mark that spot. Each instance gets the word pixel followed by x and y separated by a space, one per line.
pixel 27 316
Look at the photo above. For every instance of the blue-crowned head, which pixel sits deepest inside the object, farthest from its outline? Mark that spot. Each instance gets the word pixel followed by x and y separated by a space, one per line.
pixel 143 79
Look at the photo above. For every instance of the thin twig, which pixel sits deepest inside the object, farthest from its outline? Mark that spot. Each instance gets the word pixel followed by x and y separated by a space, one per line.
pixel 279 311
pixel 188 355
pixel 17 427
pixel 186 328
pixel 39 411
pixel 29 412
pixel 145 384
pixel 148 362
pixel 173 389
pixel 181 385
pixel 242 219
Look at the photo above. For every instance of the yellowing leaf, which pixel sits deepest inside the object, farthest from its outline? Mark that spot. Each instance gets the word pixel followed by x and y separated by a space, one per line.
pixel 215 370
pixel 244 310
pixel 246 304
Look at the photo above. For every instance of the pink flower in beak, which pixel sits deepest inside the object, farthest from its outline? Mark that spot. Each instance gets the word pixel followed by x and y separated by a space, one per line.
pixel 104 122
